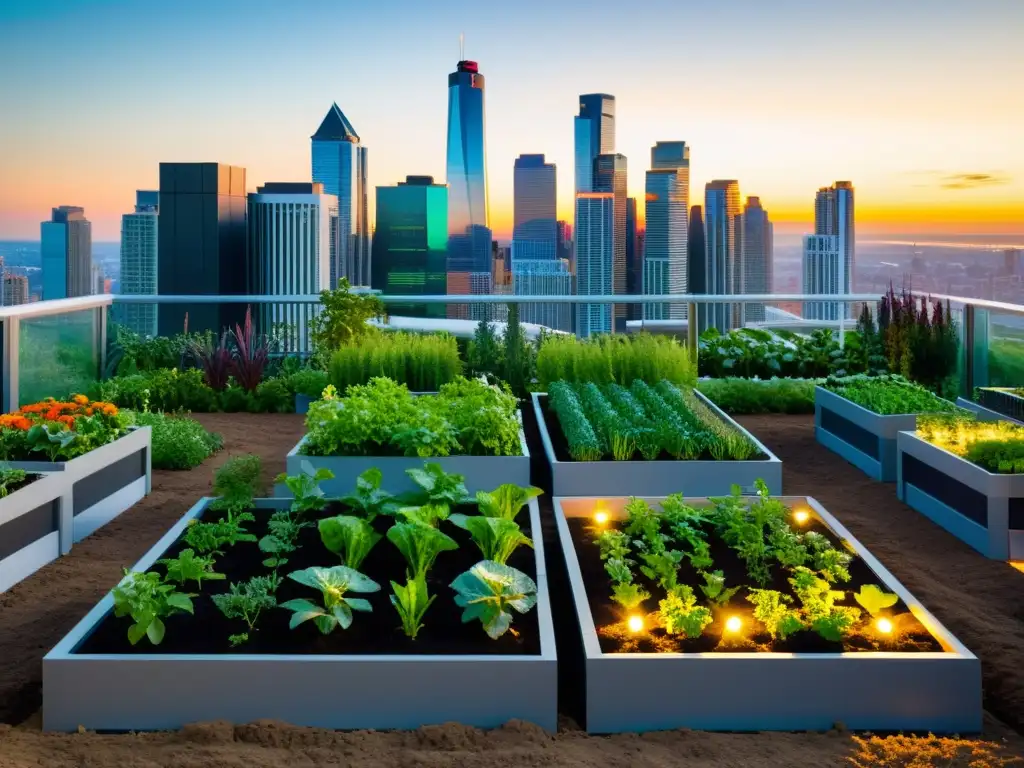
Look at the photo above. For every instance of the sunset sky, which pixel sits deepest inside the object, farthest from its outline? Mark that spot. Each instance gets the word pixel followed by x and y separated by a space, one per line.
pixel 919 104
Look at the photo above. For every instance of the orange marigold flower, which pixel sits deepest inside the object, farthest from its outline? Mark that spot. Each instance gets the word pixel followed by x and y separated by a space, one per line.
pixel 52 414
pixel 69 420
pixel 80 399
pixel 88 411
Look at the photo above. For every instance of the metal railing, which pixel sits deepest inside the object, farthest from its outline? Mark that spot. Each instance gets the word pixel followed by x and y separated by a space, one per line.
pixel 51 345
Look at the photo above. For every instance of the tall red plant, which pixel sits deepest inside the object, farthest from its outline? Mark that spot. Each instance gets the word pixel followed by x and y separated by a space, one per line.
pixel 251 354
pixel 215 360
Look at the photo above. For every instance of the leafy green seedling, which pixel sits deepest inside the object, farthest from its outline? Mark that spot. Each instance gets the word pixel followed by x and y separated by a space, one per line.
pixel 332 583
pixel 212 537
pixel 873 600
pixel 351 538
pixel 246 600
pixel 506 501
pixel 305 487
pixel 49 439
pixel 618 570
pixel 236 484
pixel 488 591
pixel 420 545
pixel 437 486
pixel 369 500
pixel 496 537
pixel 614 545
pixel 662 567
pixel 714 588
pixel 772 609
pixel 680 613
pixel 188 566
pixel 629 596
pixel 430 513
pixel 411 601
pixel 148 600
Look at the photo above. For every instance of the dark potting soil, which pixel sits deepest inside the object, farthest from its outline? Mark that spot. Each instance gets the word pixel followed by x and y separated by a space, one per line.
pixel 561 447
pixel 609 617
pixel 376 633
pixel 29 479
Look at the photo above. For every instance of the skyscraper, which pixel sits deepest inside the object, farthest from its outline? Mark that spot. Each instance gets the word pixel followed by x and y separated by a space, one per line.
pixel 595 254
pixel 722 263
pixel 610 176
pixel 594 130
pixel 339 163
pixel 410 243
pixel 634 261
pixel 822 257
pixel 667 216
pixel 67 253
pixel 535 229
pixel 469 234
pixel 15 289
pixel 695 251
pixel 290 231
pixel 544 277
pixel 565 242
pixel 834 215
pixel 757 250
pixel 139 263
pixel 201 235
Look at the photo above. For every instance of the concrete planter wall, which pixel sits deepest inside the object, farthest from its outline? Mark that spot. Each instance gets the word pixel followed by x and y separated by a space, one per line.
pixel 104 482
pixel 32 520
pixel 482 473
pixel 981 508
pixel 878 691
pixel 995 404
pixel 695 478
pixel 864 438
pixel 157 692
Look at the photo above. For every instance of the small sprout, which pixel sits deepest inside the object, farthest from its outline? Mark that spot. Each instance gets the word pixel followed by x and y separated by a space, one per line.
pixel 873 600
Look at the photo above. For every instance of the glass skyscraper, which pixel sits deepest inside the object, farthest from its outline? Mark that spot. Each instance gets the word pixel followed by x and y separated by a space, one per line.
pixel 610 176
pixel 410 243
pixel 139 262
pixel 822 257
pixel 722 264
pixel 339 163
pixel 469 234
pixel 544 277
pixel 67 254
pixel 833 215
pixel 535 228
pixel 595 252
pixel 594 135
pixel 757 250
pixel 667 214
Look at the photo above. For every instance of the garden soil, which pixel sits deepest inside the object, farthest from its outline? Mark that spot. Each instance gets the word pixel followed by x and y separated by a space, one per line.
pixel 981 601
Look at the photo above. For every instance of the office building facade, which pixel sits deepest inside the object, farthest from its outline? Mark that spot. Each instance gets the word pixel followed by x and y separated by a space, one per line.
pixel 722 263
pixel 535 222
pixel 610 176
pixel 667 216
pixel 469 233
pixel 544 277
pixel 594 134
pixel 834 215
pixel 340 163
pixel 656 275
pixel 595 255
pixel 202 250
pixel 15 289
pixel 66 246
pixel 823 257
pixel 139 238
pixel 290 229
pixel 634 261
pixel 757 249
pixel 410 243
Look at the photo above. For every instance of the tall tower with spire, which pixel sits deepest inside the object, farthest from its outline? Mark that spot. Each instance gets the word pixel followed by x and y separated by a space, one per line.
pixel 469 233
pixel 339 163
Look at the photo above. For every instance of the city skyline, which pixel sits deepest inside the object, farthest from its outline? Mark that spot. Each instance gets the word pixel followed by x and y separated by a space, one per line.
pixel 927 139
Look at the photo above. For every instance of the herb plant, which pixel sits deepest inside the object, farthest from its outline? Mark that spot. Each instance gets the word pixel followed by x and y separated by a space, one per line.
pixel 148 600
pixel 10 478
pixel 236 484
pixel 332 583
pixel 680 613
pixel 213 537
pixel 489 592
pixel 188 566
pixel 246 601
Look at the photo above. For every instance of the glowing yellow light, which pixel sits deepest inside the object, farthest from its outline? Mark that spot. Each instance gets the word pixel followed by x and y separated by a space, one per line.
pixel 733 624
pixel 636 623
pixel 801 516
pixel 884 626
pixel 601 518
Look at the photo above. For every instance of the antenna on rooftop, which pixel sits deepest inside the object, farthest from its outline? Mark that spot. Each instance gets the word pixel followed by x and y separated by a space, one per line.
pixel 462 46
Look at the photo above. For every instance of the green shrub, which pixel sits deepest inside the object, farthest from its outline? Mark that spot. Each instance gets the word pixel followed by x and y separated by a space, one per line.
pixel 310 382
pixel 618 359
pixel 166 389
pixel 421 362
pixel 178 442
pixel 749 396
pixel 274 396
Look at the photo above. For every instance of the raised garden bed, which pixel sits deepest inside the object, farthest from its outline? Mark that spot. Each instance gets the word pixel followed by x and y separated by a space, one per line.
pixel 702 475
pixel 981 508
pixel 369 675
pixel 996 403
pixel 104 482
pixel 894 668
pixel 33 514
pixel 863 437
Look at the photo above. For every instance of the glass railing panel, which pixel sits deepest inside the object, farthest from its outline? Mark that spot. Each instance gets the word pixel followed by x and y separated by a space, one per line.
pixel 59 355
pixel 1004 348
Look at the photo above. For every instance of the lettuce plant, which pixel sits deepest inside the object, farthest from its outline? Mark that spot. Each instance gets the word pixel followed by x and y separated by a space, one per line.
pixel 305 487
pixel 489 592
pixel 506 501
pixel 680 613
pixel 369 500
pixel 411 601
pixel 437 486
pixel 714 588
pixel 349 537
pixel 629 596
pixel 496 537
pixel 425 514
pixel 212 537
pixel 148 600
pixel 614 545
pixel 772 608
pixel 618 570
pixel 245 601
pixel 187 566
pixel 332 583
pixel 829 620
pixel 420 545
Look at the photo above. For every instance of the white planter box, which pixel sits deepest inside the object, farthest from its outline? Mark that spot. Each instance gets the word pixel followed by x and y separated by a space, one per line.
pixel 104 482
pixel 997 404
pixel 938 692
pixel 482 473
pixel 694 478
pixel 32 520
pixel 864 438
pixel 157 692
pixel 981 508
